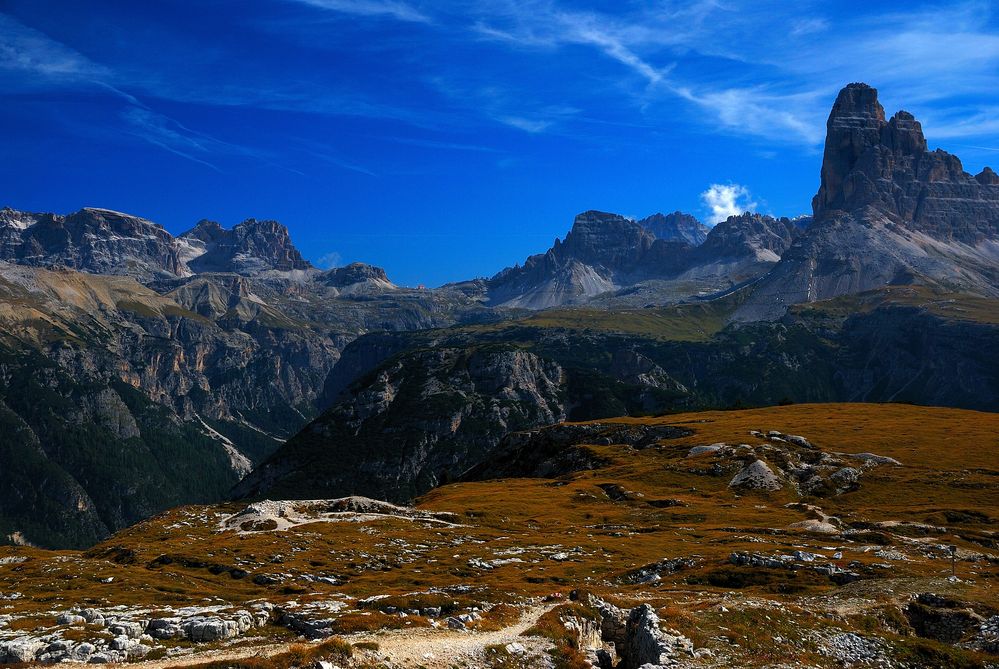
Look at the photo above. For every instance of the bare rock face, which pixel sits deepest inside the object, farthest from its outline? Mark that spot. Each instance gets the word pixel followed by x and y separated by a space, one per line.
pixel 101 241
pixel 854 126
pixel 870 162
pixel 355 273
pixel 600 254
pixel 647 644
pixel 749 235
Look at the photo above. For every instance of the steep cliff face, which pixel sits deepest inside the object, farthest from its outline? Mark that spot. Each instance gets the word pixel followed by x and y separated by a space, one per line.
pixel 83 456
pixel 888 212
pixel 413 422
pixel 886 167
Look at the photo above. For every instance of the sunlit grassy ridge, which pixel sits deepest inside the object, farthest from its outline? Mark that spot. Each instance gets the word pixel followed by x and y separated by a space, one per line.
pixel 954 306
pixel 695 321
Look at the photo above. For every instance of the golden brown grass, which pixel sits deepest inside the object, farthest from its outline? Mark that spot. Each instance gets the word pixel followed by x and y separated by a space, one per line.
pixel 333 650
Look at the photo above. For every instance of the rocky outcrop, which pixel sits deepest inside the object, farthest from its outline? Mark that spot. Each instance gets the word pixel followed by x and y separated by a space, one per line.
pixel 124 635
pixel 647 644
pixel 757 475
pixel 355 276
pixel 888 212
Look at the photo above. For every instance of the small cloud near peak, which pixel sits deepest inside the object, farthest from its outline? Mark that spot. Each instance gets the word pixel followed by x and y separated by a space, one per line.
pixel 724 200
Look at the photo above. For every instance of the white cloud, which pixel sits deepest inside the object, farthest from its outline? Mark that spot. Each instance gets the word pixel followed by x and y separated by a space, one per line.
pixel 329 260
pixel 724 200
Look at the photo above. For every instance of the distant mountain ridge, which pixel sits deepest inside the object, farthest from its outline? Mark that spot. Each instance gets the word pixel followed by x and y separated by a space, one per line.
pixel 608 253
pixel 102 241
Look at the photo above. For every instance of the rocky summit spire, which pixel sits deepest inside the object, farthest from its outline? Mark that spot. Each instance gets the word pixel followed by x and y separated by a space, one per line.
pixel 853 127
pixel 874 167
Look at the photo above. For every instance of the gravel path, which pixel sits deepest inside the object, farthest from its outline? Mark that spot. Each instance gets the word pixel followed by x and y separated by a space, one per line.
pixel 444 648
pixel 431 648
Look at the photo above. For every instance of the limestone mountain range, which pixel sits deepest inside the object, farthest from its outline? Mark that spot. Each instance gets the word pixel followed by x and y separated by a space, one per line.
pixel 121 343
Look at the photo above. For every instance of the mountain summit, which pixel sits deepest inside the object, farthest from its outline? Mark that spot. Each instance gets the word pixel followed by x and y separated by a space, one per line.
pixel 888 211
pixel 885 165
pixel 249 247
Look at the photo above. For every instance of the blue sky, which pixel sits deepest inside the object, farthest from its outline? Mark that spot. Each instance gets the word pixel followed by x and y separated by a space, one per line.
pixel 446 140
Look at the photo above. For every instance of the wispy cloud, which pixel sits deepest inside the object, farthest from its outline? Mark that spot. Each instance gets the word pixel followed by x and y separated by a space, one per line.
pixel 399 11
pixel 754 111
pixel 53 65
pixel 167 134
pixel 26 50
pixel 543 25
pixel 526 124
pixel 724 200
pixel 778 90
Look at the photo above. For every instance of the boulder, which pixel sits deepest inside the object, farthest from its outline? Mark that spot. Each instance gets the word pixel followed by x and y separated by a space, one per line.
pixel 201 630
pixel 164 628
pixel 127 628
pixel 81 652
pixel 845 479
pixel 712 448
pixel 756 476
pixel 875 459
pixel 70 619
pixel 19 650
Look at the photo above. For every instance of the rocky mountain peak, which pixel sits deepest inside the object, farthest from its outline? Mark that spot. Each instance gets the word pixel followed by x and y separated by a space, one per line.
pixel 853 127
pixel 750 234
pixel 99 241
pixel 206 230
pixel 607 239
pixel 249 247
pixel 987 177
pixel 676 227
pixel 904 135
pixel 357 273
pixel 886 167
